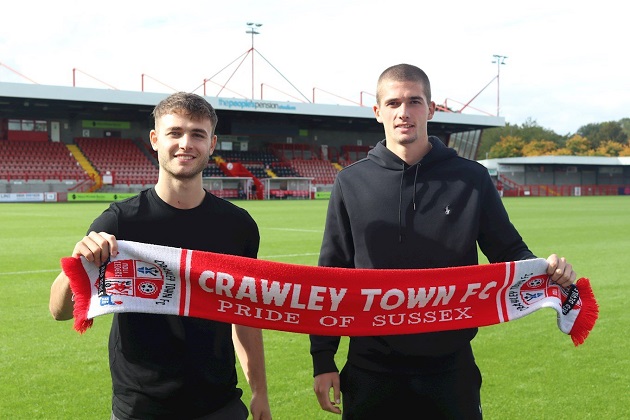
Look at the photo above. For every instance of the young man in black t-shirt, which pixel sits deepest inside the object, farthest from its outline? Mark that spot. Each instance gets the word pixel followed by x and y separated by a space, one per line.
pixel 164 366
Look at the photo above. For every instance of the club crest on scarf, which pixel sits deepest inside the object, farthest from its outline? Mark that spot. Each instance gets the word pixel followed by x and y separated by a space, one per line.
pixel 535 289
pixel 131 278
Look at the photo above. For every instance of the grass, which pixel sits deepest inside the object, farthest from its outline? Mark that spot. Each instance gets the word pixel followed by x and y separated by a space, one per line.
pixel 48 371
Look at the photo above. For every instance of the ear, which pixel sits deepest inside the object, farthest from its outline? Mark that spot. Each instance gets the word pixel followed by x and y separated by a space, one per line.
pixel 431 110
pixel 213 143
pixel 153 138
pixel 377 113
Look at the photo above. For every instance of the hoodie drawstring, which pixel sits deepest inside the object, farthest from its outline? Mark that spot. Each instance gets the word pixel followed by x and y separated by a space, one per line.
pixel 413 198
pixel 402 178
pixel 415 179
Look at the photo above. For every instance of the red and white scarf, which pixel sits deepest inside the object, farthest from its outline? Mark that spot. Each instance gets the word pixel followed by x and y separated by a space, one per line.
pixel 322 300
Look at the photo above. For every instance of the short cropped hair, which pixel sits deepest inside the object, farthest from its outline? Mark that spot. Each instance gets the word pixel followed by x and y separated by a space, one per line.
pixel 404 73
pixel 189 104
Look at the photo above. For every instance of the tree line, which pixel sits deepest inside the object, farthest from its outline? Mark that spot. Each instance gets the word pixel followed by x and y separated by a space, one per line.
pixel 530 139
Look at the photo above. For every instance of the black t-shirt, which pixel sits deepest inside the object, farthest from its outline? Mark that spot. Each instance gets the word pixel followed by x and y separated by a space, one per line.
pixel 165 366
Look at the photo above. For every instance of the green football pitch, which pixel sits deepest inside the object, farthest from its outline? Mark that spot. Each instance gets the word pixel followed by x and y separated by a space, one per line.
pixel 530 369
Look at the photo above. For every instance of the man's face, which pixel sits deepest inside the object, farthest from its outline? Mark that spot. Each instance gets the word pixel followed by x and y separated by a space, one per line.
pixel 404 111
pixel 183 145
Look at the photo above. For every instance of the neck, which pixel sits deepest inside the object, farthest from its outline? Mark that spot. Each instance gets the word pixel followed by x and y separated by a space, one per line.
pixel 413 152
pixel 181 194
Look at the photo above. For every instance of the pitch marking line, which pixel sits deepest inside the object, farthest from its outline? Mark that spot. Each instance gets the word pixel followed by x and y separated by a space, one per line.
pixel 264 257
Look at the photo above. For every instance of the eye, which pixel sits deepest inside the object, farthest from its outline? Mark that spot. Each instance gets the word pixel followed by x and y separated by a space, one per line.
pixel 199 134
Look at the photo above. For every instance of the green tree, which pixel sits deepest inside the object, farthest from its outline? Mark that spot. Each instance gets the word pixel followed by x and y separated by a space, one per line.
pixel 586 142
pixel 539 148
pixel 508 146
pixel 489 138
pixel 578 145
pixel 609 148
pixel 625 125
pixel 528 131
pixel 598 133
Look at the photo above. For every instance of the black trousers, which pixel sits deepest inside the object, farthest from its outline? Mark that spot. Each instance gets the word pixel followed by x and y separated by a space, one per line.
pixel 368 395
pixel 234 410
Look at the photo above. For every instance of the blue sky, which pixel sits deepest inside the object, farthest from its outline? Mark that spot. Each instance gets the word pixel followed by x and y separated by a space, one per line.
pixel 566 64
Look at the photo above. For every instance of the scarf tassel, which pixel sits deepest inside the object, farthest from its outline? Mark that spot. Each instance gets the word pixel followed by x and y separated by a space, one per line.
pixel 589 312
pixel 80 285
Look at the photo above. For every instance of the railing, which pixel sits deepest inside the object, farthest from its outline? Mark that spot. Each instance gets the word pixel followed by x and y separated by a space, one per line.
pixel 59 176
pixel 85 185
pixel 565 190
pixel 509 188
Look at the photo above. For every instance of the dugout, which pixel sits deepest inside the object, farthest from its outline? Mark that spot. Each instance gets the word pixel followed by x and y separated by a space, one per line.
pixel 229 187
pixel 300 188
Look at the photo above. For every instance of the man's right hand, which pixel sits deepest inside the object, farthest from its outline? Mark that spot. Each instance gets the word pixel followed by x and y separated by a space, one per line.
pixel 322 385
pixel 96 247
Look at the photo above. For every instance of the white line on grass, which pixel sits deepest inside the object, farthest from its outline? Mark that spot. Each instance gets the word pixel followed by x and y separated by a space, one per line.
pixel 13 273
pixel 295 230
pixel 17 273
pixel 307 254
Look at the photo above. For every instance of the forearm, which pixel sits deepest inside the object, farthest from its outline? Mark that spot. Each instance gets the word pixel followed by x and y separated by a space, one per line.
pixel 61 304
pixel 248 343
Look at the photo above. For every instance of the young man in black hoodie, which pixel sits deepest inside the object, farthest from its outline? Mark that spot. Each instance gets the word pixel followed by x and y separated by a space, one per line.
pixel 412 203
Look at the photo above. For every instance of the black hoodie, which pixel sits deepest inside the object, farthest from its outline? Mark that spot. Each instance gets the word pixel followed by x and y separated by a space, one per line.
pixel 384 213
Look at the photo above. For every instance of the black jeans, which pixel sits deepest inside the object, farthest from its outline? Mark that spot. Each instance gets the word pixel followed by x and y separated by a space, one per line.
pixel 234 410
pixel 368 395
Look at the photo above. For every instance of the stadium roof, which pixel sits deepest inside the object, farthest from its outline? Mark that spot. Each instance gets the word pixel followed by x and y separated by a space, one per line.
pixel 557 160
pixel 20 100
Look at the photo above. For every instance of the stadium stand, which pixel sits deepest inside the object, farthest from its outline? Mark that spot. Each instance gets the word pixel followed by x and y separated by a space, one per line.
pixel 279 147
pixel 212 170
pixel 289 151
pixel 255 162
pixel 322 171
pixel 353 153
pixel 245 157
pixel 38 160
pixel 306 162
pixel 125 160
pixel 283 169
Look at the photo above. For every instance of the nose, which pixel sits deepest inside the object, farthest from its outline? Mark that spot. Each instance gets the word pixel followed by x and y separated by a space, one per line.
pixel 183 141
pixel 403 113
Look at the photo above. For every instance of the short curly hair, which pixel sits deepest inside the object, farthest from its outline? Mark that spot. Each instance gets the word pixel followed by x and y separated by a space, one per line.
pixel 189 104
